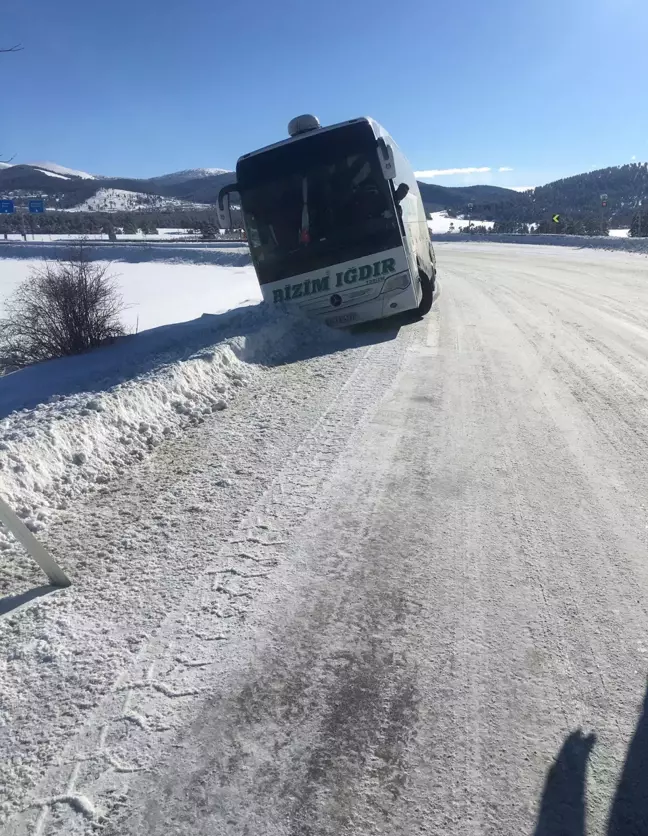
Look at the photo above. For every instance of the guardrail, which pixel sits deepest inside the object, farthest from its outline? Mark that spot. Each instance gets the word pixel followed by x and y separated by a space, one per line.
pixel 597 242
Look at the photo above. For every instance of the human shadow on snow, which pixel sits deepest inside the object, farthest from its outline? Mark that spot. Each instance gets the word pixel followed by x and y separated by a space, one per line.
pixel 562 806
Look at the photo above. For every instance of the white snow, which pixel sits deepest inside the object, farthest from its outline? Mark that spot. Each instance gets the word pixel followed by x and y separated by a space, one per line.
pixel 12 272
pixel 51 173
pixel 69 425
pixel 440 223
pixel 158 294
pixel 111 417
pixel 79 421
pixel 619 233
pixel 118 200
pixel 190 174
pixel 594 242
pixel 160 285
pixel 61 169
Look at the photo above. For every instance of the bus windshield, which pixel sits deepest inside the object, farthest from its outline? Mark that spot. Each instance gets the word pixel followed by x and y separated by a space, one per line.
pixel 324 202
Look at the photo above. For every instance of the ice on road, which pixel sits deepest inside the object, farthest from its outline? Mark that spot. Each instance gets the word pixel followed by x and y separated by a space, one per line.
pixel 397 587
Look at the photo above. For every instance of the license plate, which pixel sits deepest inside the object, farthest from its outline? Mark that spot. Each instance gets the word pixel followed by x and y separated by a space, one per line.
pixel 341 319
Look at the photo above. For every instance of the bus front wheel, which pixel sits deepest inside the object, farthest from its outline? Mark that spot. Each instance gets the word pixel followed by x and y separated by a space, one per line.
pixel 427 294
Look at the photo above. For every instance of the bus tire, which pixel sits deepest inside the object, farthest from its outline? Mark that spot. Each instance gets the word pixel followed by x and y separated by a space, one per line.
pixel 427 289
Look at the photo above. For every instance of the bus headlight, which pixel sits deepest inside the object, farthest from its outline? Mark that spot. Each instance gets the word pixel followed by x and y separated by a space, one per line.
pixel 399 282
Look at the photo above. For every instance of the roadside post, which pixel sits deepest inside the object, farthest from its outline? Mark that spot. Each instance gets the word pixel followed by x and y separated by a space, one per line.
pixel 36 206
pixel 9 519
pixel 34 548
pixel 6 208
pixel 604 198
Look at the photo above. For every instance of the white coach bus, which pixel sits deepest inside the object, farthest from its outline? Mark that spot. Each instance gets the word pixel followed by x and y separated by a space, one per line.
pixel 335 222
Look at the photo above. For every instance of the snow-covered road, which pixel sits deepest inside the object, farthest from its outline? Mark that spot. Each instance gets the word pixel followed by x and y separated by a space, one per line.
pixel 379 593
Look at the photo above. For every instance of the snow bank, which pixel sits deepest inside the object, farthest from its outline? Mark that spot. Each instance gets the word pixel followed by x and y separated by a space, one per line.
pixel 638 245
pixel 69 425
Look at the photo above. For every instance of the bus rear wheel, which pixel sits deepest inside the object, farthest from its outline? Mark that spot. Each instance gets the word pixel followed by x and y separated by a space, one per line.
pixel 427 289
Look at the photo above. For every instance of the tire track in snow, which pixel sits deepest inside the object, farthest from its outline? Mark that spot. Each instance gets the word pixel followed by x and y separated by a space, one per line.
pixel 151 699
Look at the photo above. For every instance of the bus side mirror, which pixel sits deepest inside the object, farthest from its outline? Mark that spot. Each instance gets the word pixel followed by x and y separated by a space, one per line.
pixel 401 192
pixel 386 158
pixel 223 208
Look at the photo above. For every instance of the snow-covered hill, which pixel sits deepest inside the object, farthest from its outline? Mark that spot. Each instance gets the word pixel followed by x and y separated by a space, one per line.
pixel 62 170
pixel 80 190
pixel 51 173
pixel 188 174
pixel 120 200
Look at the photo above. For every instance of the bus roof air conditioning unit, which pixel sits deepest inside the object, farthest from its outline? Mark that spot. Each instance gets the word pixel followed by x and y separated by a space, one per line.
pixel 303 124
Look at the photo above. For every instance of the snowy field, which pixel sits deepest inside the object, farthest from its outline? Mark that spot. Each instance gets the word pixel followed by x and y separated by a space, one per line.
pixel 160 285
pixel 439 223
pixel 157 293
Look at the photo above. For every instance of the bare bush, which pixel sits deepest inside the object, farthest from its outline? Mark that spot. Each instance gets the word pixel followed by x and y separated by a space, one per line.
pixel 66 307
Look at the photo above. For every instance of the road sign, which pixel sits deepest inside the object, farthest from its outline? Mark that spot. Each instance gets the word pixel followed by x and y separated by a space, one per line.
pixel 603 197
pixel 36 207
pixel 6 207
pixel 556 219
pixel 604 203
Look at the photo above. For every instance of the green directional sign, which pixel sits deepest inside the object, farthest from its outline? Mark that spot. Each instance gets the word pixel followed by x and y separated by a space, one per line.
pixel 556 219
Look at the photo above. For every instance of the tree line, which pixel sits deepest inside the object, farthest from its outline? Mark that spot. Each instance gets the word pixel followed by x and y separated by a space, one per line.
pixel 88 223
pixel 639 225
pixel 580 225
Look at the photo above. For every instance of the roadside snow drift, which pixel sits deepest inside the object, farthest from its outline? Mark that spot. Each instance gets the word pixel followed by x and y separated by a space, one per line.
pixel 595 242
pixel 75 423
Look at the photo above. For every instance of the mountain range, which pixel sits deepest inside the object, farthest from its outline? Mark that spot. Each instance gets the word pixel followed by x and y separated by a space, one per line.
pixel 70 189
pixel 67 188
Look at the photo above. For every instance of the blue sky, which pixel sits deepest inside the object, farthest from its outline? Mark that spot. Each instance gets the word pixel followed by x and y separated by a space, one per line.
pixel 140 88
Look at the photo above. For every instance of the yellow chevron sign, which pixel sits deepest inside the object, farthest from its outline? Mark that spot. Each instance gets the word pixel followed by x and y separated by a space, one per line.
pixel 556 219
